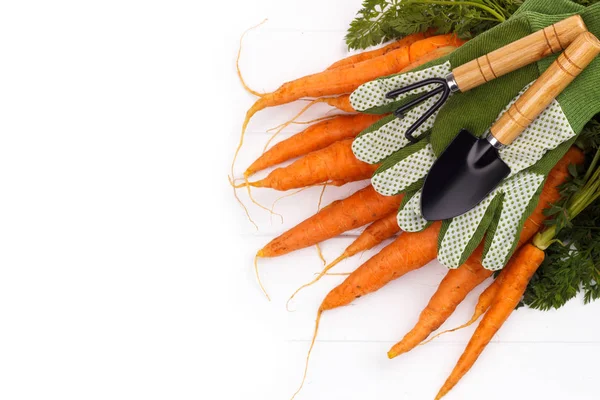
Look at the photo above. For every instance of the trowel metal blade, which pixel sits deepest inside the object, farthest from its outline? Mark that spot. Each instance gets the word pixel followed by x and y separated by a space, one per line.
pixel 466 172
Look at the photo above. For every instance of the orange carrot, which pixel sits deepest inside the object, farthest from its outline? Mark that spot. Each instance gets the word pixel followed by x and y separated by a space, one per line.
pixel 432 55
pixel 521 269
pixel 361 208
pixel 314 138
pixel 367 55
pixel 459 282
pixel 483 304
pixel 333 163
pixel 346 79
pixel 518 273
pixel 407 253
pixel 452 290
pixel 375 233
pixel 342 102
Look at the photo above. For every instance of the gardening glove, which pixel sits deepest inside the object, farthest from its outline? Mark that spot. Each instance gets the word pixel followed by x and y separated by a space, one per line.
pixel 409 163
pixel 502 214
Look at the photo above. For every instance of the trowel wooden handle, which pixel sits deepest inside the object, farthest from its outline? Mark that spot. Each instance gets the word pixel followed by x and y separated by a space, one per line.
pixel 545 89
pixel 550 40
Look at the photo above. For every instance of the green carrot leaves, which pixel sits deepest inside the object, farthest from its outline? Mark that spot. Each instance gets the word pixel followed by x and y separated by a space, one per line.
pixel 382 20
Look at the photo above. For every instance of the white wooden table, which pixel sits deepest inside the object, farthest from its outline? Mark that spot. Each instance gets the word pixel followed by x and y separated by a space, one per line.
pixel 547 355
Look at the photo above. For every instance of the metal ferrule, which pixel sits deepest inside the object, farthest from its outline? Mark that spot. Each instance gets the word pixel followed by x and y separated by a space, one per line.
pixel 494 142
pixel 452 83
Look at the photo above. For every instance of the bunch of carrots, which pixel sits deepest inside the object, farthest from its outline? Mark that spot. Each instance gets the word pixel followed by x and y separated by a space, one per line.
pixel 323 155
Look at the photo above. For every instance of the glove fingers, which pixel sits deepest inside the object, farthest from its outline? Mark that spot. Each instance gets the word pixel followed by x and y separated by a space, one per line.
pixel 409 216
pixel 464 233
pixel 373 94
pixel 404 173
pixel 374 146
pixel 503 236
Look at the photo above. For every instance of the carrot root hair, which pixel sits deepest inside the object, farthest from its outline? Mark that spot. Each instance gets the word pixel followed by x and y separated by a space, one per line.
pixel 319 251
pixel 246 184
pixel 316 279
pixel 272 210
pixel 258 276
pixel 232 183
pixel 248 189
pixel 249 115
pixel 311 102
pixel 466 325
pixel 312 344
pixel 237 61
pixel 320 254
pixel 302 111
pixel 327 116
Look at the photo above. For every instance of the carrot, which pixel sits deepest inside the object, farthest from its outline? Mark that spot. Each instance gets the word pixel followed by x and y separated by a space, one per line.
pixel 333 163
pixel 407 253
pixel 483 304
pixel 314 138
pixel 451 292
pixel 346 79
pixel 361 208
pixel 375 233
pixel 342 102
pixel 432 55
pixel 367 55
pixel 520 270
pixel 459 282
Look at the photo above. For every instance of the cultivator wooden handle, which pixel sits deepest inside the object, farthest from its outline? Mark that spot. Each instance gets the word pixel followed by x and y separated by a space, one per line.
pixel 550 40
pixel 546 88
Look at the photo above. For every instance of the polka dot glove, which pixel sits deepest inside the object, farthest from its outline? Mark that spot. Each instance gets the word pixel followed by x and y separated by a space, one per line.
pixel 507 207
